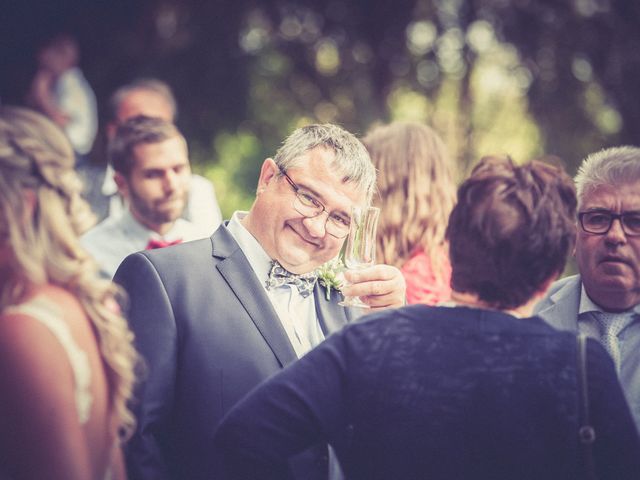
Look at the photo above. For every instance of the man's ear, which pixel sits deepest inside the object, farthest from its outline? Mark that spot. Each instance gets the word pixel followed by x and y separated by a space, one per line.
pixel 123 185
pixel 268 173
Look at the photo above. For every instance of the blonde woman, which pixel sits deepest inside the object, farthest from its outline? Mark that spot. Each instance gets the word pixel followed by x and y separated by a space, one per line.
pixel 416 194
pixel 66 354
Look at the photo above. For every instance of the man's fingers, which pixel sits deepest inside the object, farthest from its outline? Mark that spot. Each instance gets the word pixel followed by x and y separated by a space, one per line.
pixel 366 289
pixel 380 286
pixel 376 272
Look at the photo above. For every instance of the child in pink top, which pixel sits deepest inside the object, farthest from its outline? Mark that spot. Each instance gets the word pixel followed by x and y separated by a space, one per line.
pixel 416 195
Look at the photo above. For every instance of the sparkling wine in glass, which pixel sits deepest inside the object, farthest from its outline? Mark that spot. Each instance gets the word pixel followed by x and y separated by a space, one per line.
pixel 360 250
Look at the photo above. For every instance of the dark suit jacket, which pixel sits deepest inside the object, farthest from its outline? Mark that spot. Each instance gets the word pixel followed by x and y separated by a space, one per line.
pixel 208 334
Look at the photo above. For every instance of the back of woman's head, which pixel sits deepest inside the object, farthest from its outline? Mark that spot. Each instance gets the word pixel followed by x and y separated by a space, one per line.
pixel 511 230
pixel 41 216
pixel 416 189
pixel 40 204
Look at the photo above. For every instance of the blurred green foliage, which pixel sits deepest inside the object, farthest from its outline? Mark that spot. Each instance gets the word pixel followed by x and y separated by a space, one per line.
pixel 522 77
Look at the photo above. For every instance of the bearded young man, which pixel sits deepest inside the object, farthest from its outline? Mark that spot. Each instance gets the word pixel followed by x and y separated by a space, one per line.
pixel 151 163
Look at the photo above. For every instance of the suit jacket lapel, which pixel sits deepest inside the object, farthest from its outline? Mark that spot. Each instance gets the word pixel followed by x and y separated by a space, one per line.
pixel 563 311
pixel 242 280
pixel 332 317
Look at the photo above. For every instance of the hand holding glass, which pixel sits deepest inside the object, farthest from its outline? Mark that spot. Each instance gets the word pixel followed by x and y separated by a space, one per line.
pixel 360 250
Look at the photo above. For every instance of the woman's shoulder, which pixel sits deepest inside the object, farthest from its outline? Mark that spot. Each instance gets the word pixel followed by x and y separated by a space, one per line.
pixel 31 330
pixel 45 307
pixel 49 332
pixel 47 322
pixel 45 314
pixel 51 294
pixel 61 297
pixel 387 326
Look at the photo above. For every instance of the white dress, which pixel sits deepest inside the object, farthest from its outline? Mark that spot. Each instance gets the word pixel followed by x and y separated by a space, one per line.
pixel 50 315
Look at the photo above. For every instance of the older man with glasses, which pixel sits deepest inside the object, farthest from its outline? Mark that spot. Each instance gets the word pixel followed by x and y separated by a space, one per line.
pixel 215 317
pixel 603 301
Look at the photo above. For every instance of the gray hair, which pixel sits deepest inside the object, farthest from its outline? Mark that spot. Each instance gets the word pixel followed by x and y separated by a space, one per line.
pixel 610 166
pixel 351 159
pixel 152 85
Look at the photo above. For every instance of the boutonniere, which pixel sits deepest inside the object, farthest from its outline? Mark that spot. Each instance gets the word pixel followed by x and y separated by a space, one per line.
pixel 331 276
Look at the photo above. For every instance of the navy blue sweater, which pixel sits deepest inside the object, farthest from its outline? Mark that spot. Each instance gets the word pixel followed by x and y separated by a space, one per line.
pixel 435 393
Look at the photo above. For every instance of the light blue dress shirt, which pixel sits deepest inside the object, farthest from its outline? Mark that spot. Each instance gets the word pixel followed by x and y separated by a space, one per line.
pixel 628 344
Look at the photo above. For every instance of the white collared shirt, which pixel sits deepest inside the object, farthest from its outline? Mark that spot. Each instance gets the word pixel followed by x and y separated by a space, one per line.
pixel 113 239
pixel 297 314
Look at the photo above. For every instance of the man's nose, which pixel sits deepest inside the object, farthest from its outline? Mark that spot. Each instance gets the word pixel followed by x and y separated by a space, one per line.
pixel 616 234
pixel 170 181
pixel 316 226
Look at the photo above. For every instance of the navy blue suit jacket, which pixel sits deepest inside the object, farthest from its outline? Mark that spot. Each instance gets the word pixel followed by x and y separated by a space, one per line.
pixel 208 334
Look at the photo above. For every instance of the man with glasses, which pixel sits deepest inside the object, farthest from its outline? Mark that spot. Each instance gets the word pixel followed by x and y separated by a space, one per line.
pixel 603 301
pixel 215 317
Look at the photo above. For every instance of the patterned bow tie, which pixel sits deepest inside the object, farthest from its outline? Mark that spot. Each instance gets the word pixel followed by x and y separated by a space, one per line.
pixel 153 243
pixel 278 277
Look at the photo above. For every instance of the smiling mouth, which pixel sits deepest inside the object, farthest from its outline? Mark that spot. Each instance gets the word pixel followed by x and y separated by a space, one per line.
pixel 310 242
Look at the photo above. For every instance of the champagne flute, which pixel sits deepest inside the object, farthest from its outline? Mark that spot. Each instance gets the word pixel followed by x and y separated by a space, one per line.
pixel 360 250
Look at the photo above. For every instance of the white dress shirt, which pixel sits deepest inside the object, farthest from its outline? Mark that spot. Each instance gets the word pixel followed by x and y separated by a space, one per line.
pixel 115 238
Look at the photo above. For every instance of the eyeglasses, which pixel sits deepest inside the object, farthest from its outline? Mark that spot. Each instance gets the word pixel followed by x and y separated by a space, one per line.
pixel 337 225
pixel 599 222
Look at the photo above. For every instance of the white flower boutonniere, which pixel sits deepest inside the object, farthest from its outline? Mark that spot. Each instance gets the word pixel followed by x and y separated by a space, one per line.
pixel 331 276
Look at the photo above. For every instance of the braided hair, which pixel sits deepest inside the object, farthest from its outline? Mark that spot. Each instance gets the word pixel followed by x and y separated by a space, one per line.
pixel 37 160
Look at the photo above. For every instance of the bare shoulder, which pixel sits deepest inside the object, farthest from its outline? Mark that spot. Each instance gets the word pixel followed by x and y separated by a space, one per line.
pixel 33 362
pixel 63 298
pixel 26 341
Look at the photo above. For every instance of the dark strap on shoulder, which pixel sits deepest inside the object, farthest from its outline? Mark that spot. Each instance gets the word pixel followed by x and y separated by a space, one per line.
pixel 586 432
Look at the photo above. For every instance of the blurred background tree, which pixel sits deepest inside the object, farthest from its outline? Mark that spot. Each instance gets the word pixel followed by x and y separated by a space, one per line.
pixel 523 77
